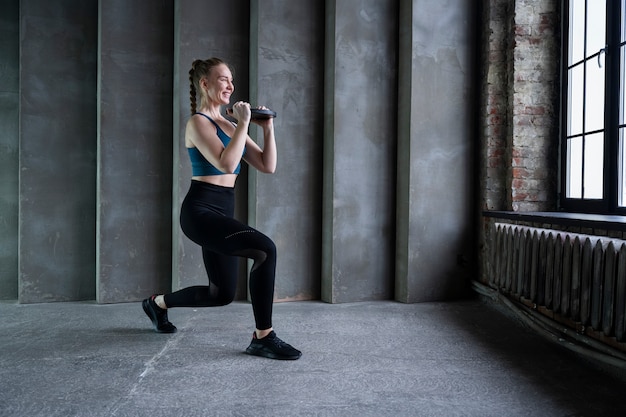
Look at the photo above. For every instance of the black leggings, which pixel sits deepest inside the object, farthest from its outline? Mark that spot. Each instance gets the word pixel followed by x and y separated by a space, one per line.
pixel 206 218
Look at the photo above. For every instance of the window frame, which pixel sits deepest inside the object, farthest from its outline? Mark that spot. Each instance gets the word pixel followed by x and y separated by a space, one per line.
pixel 609 203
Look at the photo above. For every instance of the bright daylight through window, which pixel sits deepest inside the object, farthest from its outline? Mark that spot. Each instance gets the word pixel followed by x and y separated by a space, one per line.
pixel 593 148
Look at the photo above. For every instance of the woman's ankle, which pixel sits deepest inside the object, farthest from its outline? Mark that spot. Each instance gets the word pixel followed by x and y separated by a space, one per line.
pixel 159 300
pixel 260 334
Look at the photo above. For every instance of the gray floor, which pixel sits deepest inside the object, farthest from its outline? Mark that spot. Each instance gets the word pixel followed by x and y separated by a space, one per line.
pixel 366 359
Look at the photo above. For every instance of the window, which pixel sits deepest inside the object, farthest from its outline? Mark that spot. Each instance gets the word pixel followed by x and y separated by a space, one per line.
pixel 593 148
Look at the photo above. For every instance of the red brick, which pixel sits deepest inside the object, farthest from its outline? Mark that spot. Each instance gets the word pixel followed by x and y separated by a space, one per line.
pixel 521 173
pixel 538 110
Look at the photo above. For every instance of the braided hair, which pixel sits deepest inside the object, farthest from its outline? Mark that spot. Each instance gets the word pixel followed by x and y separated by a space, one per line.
pixel 199 69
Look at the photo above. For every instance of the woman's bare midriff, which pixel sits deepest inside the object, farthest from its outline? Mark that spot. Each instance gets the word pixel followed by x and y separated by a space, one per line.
pixel 226 180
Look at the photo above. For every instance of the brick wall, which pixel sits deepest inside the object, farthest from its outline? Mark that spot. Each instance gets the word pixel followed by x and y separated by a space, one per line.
pixel 494 104
pixel 519 104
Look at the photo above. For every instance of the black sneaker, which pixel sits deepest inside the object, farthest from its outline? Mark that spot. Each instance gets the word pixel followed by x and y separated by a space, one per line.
pixel 158 316
pixel 272 347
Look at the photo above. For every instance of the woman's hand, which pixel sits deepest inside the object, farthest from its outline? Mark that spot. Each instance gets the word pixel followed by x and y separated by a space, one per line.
pixel 265 122
pixel 241 111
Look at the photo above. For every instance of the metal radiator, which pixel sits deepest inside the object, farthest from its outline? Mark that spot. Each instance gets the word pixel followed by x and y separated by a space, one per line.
pixel 578 279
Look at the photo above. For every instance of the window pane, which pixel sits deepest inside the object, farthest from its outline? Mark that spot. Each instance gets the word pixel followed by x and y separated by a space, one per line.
pixel 622 170
pixel 622 85
pixel 622 106
pixel 576 31
pixel 596 26
pixel 594 97
pixel 574 168
pixel 594 165
pixel 575 101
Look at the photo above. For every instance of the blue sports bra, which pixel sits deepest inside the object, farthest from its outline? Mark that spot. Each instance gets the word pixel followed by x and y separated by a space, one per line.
pixel 199 165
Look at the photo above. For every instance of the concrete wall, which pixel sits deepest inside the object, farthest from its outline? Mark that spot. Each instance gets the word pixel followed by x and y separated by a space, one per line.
pixel 359 150
pixel 9 146
pixel 57 157
pixel 364 91
pixel 134 188
pixel 435 255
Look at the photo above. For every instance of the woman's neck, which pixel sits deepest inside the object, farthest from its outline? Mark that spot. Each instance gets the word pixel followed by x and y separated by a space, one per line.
pixel 212 111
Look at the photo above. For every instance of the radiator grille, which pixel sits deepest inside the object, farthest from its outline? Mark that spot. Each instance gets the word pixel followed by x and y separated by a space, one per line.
pixel 579 278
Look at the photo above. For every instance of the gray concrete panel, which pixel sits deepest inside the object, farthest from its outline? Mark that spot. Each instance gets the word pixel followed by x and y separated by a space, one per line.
pixel 202 30
pixel 287 75
pixel 435 236
pixel 134 150
pixel 9 146
pixel 57 150
pixel 360 150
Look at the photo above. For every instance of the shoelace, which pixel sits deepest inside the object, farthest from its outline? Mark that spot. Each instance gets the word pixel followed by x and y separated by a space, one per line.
pixel 277 341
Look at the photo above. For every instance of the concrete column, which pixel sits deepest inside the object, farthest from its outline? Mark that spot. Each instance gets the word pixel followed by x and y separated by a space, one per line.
pixel 57 150
pixel 203 29
pixel 435 239
pixel 134 150
pixel 9 143
pixel 286 61
pixel 359 150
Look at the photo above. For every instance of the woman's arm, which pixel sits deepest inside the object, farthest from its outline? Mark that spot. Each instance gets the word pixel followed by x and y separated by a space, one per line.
pixel 265 159
pixel 202 134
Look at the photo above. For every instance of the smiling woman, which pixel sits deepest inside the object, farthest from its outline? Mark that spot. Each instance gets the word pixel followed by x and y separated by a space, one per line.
pixel 216 148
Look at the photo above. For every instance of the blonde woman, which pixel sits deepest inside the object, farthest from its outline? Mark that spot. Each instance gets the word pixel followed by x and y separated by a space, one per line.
pixel 216 147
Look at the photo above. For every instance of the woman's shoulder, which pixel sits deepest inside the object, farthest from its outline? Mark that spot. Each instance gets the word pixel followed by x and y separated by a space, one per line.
pixel 200 118
pixel 200 121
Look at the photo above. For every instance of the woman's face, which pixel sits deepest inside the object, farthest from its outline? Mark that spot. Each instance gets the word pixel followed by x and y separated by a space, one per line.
pixel 220 84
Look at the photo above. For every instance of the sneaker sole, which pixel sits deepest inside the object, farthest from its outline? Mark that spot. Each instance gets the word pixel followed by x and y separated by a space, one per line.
pixel 270 355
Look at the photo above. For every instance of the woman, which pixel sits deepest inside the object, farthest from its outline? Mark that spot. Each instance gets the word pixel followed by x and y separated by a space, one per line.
pixel 216 147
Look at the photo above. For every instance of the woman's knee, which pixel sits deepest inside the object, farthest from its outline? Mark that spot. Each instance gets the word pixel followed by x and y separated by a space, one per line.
pixel 268 247
pixel 225 297
pixel 259 250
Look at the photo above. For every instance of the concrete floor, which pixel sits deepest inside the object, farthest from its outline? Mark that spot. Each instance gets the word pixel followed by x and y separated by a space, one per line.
pixel 464 358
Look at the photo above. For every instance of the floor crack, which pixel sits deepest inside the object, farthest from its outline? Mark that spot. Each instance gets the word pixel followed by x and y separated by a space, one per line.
pixel 149 367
